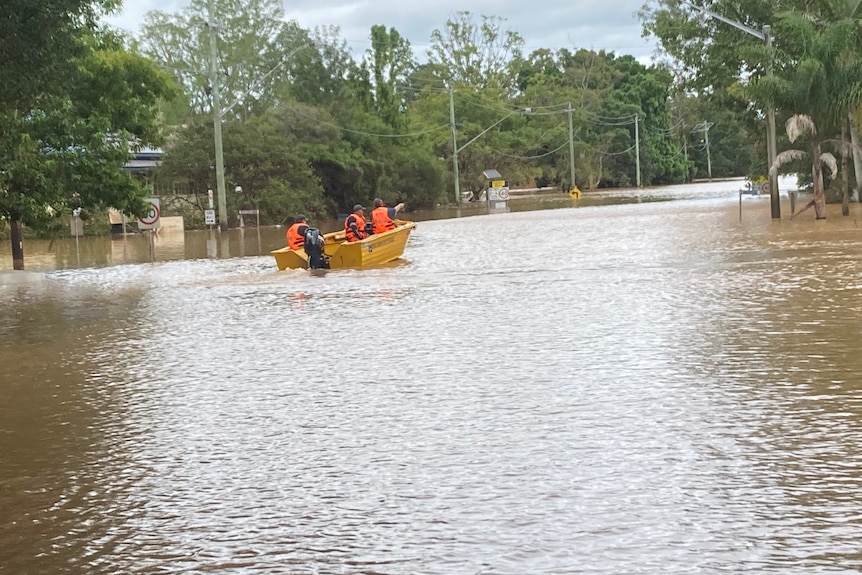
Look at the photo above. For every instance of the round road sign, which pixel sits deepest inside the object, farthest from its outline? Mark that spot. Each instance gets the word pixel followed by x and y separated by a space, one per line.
pixel 152 216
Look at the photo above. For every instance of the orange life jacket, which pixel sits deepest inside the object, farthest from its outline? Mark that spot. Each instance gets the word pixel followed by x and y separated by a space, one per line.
pixel 360 225
pixel 381 221
pixel 296 236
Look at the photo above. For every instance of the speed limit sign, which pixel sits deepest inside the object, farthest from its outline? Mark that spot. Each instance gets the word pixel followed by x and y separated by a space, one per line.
pixel 150 220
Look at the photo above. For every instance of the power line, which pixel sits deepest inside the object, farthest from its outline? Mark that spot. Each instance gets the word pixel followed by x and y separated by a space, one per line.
pixel 371 134
pixel 554 151
pixel 626 151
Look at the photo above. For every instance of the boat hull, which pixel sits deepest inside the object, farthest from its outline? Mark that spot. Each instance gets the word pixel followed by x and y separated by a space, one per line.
pixel 373 251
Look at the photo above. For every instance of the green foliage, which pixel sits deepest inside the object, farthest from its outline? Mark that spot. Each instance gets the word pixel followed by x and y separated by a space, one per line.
pixel 39 47
pixel 807 65
pixel 388 64
pixel 380 126
pixel 477 54
pixel 68 149
pixel 253 42
pixel 419 180
pixel 262 161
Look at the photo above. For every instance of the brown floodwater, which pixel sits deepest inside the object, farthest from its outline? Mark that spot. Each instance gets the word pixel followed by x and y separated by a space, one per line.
pixel 637 382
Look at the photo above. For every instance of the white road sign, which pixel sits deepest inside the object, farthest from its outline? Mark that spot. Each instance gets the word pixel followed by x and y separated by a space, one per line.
pixel 150 220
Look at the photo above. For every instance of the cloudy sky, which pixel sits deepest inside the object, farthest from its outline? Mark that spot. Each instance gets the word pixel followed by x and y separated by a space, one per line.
pixel 610 25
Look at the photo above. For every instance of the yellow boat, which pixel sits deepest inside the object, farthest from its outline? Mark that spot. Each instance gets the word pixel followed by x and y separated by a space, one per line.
pixel 372 251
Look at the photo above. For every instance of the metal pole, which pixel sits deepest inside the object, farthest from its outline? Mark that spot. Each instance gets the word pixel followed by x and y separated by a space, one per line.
pixel 637 152
pixel 77 245
pixel 216 104
pixel 454 146
pixel 774 199
pixel 571 148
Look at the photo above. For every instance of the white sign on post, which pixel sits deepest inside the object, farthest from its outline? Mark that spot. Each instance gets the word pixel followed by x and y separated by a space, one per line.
pixel 150 220
pixel 209 217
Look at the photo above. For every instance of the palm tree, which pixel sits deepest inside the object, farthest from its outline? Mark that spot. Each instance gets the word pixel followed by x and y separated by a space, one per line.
pixel 798 125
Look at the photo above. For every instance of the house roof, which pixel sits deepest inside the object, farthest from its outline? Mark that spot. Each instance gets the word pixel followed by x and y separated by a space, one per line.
pixel 144 160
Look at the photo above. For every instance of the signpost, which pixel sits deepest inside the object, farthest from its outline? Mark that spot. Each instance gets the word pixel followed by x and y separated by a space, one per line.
pixel 255 213
pixel 150 222
pixel 77 230
pixel 498 194
pixel 210 220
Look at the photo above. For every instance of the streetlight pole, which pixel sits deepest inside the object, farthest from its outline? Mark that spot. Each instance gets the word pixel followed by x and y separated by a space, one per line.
pixel 571 147
pixel 216 105
pixel 765 35
pixel 770 139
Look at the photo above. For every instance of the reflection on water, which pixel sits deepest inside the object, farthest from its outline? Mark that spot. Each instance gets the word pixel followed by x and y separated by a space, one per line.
pixel 649 387
pixel 45 255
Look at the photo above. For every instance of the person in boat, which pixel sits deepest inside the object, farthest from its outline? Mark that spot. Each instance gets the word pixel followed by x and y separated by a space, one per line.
pixel 296 232
pixel 354 224
pixel 383 217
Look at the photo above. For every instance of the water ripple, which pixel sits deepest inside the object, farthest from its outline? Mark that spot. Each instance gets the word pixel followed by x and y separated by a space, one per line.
pixel 645 388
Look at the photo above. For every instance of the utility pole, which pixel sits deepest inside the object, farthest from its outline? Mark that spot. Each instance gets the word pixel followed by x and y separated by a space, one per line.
pixel 571 147
pixel 685 144
pixel 704 127
pixel 637 152
pixel 216 106
pixel 454 146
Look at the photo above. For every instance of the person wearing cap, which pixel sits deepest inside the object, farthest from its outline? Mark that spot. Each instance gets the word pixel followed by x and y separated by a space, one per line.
pixel 354 224
pixel 296 232
pixel 383 217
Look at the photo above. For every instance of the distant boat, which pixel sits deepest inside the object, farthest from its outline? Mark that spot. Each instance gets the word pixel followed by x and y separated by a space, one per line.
pixel 338 253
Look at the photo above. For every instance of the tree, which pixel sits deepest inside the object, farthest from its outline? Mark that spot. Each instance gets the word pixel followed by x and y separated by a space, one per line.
pixel 709 58
pixel 67 149
pixel 388 64
pixel 39 45
pixel 262 160
pixel 797 126
pixel 479 55
pixel 252 42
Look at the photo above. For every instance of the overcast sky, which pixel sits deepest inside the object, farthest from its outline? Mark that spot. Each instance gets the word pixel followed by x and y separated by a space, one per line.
pixel 610 25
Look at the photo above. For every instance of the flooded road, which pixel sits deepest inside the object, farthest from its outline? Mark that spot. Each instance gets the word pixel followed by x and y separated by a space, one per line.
pixel 656 387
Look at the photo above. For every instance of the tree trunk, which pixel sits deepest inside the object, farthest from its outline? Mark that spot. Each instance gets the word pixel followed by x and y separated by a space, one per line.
pixel 17 245
pixel 845 181
pixel 817 177
pixel 857 161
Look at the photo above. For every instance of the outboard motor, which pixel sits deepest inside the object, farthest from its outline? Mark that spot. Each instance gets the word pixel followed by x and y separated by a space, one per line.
pixel 314 250
pixel 369 228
